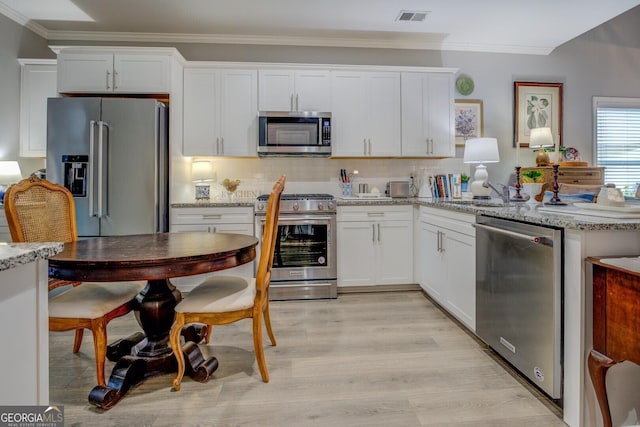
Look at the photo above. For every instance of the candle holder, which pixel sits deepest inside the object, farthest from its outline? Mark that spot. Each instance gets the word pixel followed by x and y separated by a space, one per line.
pixel 517 197
pixel 555 200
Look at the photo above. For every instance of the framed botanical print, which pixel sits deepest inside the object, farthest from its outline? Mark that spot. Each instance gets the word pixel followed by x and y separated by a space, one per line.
pixel 468 119
pixel 537 105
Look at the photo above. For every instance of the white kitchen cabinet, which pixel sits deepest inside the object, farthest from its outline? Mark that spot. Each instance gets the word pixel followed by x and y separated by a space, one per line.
pixel 294 90
pixel 213 220
pixel 220 112
pixel 5 234
pixel 375 245
pixel 117 72
pixel 365 108
pixel 428 128
pixel 37 83
pixel 445 260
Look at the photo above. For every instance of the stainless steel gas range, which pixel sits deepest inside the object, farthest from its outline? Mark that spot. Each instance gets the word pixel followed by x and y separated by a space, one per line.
pixel 304 263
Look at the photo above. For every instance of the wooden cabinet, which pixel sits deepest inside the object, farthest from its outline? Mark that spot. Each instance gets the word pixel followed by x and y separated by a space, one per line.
pixel 294 90
pixel 213 220
pixel 427 115
pixel 115 71
pixel 220 112
pixel 37 83
pixel 365 109
pixel 445 261
pixel 572 175
pixel 375 245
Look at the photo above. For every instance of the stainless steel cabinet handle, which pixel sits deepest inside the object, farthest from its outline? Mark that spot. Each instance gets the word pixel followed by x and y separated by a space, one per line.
pixel 108 79
pixel 378 232
pixel 364 145
pixel 212 216
pixel 297 105
pixel 373 233
pixel 291 102
pixel 115 80
pixel 533 239
pixel 375 213
pixel 369 146
pixel 221 145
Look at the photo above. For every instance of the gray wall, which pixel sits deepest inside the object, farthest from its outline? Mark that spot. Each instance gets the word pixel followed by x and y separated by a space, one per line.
pixel 15 42
pixel 602 62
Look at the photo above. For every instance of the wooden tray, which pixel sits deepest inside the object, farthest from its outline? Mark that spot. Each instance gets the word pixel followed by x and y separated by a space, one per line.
pixel 574 164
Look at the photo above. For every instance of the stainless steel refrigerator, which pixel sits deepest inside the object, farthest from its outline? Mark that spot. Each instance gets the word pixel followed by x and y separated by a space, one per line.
pixel 112 154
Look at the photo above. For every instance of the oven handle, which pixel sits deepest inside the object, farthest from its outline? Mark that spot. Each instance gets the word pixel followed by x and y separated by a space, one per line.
pixel 306 219
pixel 533 239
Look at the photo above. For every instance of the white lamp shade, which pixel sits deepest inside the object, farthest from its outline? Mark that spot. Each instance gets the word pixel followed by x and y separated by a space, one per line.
pixel 481 150
pixel 541 137
pixel 201 171
pixel 9 172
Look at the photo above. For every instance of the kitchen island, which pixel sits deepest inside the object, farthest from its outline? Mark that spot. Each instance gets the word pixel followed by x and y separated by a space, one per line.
pixel 24 363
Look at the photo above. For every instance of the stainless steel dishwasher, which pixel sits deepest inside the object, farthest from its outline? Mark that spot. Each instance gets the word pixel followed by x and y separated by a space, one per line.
pixel 519 296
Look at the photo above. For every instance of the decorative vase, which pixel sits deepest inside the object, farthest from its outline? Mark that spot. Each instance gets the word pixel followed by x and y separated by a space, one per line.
pixel 532 189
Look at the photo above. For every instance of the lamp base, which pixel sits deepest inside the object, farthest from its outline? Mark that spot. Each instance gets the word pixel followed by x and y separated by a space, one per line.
pixel 477 187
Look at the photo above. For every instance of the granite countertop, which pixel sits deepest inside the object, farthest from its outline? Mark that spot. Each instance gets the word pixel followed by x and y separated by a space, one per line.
pixel 567 217
pixel 15 254
pixel 245 203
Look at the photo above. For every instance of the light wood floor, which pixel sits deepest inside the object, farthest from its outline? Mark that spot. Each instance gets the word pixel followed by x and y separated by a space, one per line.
pixel 374 359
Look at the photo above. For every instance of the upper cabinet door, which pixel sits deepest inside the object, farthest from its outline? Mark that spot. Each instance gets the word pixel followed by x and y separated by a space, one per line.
pixel 427 115
pixel 313 90
pixel 141 73
pixel 38 82
pixel 84 72
pixel 294 90
pixel 220 112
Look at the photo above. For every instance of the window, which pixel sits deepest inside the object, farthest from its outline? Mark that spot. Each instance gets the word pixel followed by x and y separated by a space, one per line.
pixel 617 140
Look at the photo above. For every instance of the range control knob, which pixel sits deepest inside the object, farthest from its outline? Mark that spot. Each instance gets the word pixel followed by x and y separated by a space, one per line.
pixel 295 206
pixel 260 206
pixel 332 205
pixel 320 206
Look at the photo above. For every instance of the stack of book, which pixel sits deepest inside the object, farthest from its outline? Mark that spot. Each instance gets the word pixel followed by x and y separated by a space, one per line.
pixel 446 186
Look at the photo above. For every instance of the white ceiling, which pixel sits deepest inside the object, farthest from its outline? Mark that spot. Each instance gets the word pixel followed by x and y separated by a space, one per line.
pixel 507 26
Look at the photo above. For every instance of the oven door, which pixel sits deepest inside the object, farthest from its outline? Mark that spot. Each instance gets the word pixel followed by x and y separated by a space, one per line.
pixel 305 247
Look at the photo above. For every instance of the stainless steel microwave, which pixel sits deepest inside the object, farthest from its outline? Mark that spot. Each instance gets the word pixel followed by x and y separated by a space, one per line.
pixel 294 133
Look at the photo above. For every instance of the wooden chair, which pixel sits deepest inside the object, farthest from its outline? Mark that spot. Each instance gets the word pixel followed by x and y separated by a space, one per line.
pixel 40 211
pixel 221 300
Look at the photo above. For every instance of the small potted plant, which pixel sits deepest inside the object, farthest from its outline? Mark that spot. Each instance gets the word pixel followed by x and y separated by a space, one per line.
pixel 464 182
pixel 532 181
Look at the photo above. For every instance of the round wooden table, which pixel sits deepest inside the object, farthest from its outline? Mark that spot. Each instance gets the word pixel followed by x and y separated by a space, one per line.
pixel 155 258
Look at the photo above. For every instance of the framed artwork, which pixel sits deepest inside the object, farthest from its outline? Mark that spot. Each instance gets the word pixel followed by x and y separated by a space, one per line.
pixel 537 105
pixel 468 119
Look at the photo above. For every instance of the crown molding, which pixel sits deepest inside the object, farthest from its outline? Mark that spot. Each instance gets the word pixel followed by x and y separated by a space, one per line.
pixel 352 42
pixel 24 21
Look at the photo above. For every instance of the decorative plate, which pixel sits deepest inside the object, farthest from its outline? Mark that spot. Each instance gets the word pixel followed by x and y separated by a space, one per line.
pixel 465 85
pixel 571 154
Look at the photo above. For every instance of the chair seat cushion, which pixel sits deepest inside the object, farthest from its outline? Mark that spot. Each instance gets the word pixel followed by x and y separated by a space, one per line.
pixel 92 300
pixel 219 294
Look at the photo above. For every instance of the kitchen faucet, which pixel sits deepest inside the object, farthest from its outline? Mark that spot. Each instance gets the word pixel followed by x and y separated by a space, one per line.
pixel 503 192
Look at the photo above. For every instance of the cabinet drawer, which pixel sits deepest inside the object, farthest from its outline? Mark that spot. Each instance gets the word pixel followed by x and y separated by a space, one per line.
pixel 581 176
pixel 375 213
pixel 207 215
pixel 214 228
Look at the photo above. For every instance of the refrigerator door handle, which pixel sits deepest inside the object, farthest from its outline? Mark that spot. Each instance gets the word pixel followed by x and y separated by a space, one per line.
pixel 101 169
pixel 92 166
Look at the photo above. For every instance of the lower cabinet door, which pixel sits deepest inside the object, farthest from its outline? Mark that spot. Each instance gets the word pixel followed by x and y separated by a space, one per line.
pixel 356 255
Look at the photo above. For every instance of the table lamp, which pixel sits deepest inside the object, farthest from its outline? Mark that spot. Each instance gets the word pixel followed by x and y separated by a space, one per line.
pixel 541 138
pixel 480 151
pixel 202 174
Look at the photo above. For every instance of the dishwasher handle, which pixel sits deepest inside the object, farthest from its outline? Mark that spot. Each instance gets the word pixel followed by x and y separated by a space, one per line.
pixel 538 240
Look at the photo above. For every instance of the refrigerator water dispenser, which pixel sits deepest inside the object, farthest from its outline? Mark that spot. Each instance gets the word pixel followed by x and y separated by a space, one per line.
pixel 75 174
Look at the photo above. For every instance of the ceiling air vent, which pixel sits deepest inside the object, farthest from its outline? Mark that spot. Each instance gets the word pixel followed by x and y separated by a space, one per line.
pixel 412 15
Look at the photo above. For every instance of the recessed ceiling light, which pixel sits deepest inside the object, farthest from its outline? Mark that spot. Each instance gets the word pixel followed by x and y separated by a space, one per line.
pixel 412 15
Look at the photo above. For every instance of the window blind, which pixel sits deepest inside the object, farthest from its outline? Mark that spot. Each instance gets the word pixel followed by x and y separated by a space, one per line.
pixel 617 141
